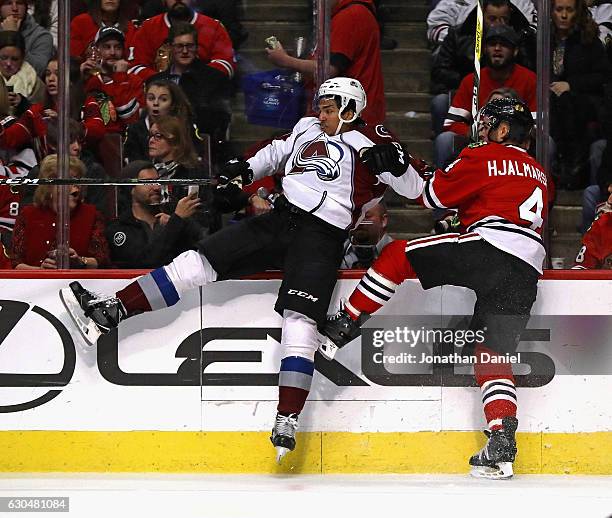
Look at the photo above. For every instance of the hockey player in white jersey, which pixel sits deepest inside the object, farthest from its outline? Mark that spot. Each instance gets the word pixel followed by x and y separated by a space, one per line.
pixel 326 188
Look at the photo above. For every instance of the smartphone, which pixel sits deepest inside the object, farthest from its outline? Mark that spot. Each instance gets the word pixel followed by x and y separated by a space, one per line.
pixel 9 88
pixel 193 191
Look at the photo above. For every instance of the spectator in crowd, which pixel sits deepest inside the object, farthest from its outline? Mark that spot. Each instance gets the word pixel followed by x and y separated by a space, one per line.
pixel 38 46
pixel 452 13
pixel 455 57
pixel 114 97
pixel 500 50
pixel 17 166
pixel 579 70
pixel 100 14
pixel 207 89
pixel 161 98
pixel 226 11
pixel 601 181
pixel 145 237
pixel 172 152
pixel 368 239
pixel 24 129
pixel 354 52
pixel 93 194
pixel 19 75
pixel 34 237
pixel 596 250
pixel 214 44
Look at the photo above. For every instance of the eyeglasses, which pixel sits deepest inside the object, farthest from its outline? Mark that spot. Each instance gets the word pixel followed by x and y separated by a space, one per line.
pixel 188 47
pixel 157 136
pixel 14 59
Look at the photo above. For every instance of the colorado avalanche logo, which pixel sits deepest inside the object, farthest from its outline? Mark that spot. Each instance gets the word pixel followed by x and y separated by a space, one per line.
pixel 320 157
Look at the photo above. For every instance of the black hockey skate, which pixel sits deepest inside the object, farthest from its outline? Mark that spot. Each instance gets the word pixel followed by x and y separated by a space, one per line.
pixel 283 434
pixel 496 458
pixel 93 314
pixel 339 330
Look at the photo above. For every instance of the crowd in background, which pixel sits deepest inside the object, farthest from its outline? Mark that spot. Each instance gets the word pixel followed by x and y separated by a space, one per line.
pixel 151 85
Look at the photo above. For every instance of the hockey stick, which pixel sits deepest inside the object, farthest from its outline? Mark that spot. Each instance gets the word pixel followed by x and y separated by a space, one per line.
pixel 477 54
pixel 98 181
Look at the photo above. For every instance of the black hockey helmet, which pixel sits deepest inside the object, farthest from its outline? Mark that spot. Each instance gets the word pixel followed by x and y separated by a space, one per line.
pixel 513 111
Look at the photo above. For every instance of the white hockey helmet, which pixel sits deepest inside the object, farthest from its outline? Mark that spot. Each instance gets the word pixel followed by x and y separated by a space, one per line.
pixel 347 89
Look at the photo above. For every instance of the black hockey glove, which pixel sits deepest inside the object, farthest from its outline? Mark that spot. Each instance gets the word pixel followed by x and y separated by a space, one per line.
pixel 381 158
pixel 233 169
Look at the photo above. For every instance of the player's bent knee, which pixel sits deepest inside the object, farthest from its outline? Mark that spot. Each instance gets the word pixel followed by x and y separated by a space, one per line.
pixel 190 270
pixel 299 336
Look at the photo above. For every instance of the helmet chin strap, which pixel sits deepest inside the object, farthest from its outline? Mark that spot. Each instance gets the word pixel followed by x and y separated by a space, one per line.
pixel 343 121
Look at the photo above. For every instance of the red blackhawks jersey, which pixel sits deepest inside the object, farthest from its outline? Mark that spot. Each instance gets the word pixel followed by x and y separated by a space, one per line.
pixel 10 197
pixel 459 117
pixel 214 44
pixel 83 30
pixel 596 251
pixel 323 174
pixel 500 193
pixel 116 103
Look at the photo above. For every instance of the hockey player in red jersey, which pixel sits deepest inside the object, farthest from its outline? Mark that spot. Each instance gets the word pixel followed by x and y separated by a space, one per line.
pixel 113 96
pixel 500 193
pixel 596 250
pixel 326 188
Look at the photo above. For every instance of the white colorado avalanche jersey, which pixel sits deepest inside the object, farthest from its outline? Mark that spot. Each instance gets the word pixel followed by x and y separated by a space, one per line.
pixel 323 174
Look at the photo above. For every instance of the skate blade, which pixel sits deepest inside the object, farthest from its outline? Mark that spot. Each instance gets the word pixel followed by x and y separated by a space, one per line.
pixel 281 451
pixel 501 472
pixel 327 348
pixel 89 331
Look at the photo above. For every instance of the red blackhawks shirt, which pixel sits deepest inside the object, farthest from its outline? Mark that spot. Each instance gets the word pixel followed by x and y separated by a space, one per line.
pixel 83 30
pixel 113 104
pixel 355 34
pixel 459 117
pixel 214 44
pixel 500 193
pixel 10 197
pixel 596 251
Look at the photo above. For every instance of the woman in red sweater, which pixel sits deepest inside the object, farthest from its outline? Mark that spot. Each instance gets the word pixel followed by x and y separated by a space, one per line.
pixel 34 235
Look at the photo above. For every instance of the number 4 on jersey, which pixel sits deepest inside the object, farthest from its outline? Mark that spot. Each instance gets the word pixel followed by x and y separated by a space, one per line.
pixel 531 209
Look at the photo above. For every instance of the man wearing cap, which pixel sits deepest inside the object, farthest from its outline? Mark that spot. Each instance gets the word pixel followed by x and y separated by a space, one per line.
pixel 214 45
pixel 114 97
pixel 500 49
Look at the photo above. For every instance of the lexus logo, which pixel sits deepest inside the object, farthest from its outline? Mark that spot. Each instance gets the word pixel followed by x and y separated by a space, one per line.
pixel 14 313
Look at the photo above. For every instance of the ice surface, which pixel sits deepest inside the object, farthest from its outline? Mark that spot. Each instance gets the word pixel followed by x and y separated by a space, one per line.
pixel 316 496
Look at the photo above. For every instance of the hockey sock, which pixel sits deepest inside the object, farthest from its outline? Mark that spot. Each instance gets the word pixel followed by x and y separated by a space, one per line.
pixel 152 291
pixel 378 285
pixel 497 386
pixel 294 382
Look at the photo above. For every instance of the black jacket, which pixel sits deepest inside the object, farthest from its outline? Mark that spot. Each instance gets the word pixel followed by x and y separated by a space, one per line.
pixel 133 244
pixel 136 145
pixel 585 67
pixel 455 57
